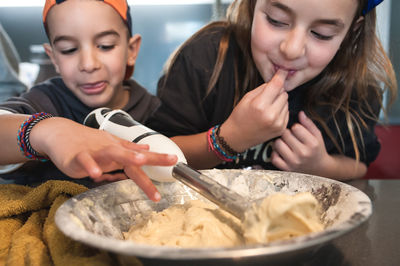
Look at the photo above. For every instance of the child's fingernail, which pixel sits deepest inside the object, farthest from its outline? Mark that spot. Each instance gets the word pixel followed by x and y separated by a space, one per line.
pixel 157 196
pixel 171 157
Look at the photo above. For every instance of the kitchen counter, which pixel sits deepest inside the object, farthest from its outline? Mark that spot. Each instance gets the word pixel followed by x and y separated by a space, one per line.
pixel 377 241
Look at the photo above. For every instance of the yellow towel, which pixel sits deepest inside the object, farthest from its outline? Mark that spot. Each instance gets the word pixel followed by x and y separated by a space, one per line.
pixel 29 235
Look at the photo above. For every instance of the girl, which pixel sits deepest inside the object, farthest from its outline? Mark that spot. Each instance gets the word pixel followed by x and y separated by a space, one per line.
pixel 95 59
pixel 287 84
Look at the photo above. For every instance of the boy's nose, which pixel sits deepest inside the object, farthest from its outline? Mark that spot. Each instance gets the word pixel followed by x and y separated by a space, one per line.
pixel 88 61
pixel 294 45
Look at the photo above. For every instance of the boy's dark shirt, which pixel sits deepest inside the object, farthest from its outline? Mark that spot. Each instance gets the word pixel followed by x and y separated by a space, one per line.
pixel 185 111
pixel 52 96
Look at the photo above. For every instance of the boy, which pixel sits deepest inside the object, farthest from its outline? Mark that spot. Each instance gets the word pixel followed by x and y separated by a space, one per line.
pixel 93 50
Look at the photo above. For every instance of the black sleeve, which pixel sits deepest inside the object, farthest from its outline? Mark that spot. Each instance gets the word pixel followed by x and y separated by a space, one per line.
pixel 50 96
pixel 182 93
pixel 141 103
pixel 31 102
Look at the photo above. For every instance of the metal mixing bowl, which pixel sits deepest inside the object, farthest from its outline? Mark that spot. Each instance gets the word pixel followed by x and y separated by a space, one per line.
pixel 99 216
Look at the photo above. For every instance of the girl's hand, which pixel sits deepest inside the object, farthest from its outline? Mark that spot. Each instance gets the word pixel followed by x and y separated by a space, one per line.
pixel 301 149
pixel 261 114
pixel 80 151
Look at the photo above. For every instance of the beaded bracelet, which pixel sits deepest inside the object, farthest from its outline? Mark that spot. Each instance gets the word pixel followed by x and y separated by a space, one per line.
pixel 23 136
pixel 223 143
pixel 215 146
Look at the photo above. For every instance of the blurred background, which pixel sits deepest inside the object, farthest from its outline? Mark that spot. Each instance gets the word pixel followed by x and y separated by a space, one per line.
pixel 164 25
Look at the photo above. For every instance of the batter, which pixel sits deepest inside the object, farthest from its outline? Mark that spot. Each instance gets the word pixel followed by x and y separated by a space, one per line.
pixel 281 216
pixel 199 224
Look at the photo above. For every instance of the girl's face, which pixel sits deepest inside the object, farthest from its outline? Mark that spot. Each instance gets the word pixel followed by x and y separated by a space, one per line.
pixel 90 49
pixel 301 37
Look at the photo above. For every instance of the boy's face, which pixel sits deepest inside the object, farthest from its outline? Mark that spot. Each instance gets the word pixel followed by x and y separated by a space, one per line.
pixel 299 36
pixel 90 49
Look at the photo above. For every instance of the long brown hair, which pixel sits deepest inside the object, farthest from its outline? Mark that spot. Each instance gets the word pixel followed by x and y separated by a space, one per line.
pixel 360 70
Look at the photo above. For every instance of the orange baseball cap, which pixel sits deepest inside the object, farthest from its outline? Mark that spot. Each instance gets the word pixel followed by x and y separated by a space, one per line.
pixel 121 6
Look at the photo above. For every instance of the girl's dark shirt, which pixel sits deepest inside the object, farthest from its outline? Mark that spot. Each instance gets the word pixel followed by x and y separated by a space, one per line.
pixel 185 109
pixel 54 97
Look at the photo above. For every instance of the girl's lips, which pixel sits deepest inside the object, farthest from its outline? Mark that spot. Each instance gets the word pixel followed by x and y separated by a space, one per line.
pixel 93 88
pixel 291 72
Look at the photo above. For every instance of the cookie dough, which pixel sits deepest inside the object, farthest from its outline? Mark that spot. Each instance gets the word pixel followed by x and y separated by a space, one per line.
pixel 199 224
pixel 193 224
pixel 281 216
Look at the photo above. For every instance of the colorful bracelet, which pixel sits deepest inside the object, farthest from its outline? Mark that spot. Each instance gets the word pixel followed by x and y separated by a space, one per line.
pixel 218 147
pixel 223 143
pixel 23 136
pixel 212 147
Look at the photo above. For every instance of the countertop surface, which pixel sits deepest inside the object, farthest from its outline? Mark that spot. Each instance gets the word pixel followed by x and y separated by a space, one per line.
pixel 377 241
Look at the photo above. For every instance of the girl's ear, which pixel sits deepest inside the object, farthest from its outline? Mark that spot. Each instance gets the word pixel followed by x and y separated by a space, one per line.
pixel 358 23
pixel 133 48
pixel 49 51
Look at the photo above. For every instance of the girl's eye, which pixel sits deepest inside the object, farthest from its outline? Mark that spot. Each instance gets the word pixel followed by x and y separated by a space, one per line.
pixel 275 22
pixel 68 51
pixel 321 36
pixel 106 47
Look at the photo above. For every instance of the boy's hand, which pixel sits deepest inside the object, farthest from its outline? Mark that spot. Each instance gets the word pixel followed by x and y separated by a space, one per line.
pixel 262 114
pixel 80 151
pixel 301 148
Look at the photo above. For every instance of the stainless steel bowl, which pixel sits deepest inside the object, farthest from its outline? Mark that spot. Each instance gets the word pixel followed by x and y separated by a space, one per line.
pixel 99 216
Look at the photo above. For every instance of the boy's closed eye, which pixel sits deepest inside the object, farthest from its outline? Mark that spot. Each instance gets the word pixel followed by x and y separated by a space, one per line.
pixel 71 50
pixel 68 51
pixel 65 45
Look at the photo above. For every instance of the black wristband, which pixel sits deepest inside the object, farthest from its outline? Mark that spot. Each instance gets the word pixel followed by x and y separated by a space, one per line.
pixel 223 143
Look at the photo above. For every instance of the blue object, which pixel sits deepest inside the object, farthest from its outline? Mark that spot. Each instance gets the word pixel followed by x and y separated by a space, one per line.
pixel 371 4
